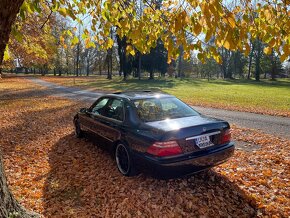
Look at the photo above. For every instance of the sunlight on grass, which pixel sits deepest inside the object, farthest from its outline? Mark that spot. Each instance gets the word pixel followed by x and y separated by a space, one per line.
pixel 236 94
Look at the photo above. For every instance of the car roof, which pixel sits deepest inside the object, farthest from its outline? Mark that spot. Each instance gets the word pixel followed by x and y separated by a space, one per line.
pixel 143 94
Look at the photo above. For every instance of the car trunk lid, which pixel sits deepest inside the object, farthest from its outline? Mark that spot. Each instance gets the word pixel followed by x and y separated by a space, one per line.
pixel 187 131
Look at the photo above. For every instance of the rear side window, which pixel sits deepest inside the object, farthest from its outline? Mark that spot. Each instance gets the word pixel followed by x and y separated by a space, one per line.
pixel 156 109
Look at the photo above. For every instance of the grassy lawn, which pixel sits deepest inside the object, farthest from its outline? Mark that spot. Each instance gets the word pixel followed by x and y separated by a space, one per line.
pixel 266 97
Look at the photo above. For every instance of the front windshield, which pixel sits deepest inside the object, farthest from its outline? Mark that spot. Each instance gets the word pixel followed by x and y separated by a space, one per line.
pixel 156 109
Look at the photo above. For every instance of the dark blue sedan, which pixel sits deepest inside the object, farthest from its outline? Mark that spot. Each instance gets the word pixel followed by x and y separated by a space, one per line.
pixel 156 131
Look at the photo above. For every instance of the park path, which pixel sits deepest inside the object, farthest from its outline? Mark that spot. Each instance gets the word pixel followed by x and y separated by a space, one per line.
pixel 275 125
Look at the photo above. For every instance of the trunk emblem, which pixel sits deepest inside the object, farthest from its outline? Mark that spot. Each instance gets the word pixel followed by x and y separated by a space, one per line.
pixel 204 129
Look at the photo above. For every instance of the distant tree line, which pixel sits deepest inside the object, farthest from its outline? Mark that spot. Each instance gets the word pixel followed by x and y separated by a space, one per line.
pixel 236 65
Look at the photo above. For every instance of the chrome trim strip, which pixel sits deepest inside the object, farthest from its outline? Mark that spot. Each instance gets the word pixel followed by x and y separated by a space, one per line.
pixel 208 134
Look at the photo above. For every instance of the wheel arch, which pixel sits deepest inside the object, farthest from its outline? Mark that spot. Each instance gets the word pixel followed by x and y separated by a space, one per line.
pixel 134 170
pixel 76 117
pixel 119 141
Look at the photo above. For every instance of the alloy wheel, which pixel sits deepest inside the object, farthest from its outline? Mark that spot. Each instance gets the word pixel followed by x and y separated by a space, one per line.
pixel 122 159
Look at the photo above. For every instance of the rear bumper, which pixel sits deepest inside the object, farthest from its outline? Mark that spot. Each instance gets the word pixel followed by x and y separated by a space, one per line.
pixel 190 163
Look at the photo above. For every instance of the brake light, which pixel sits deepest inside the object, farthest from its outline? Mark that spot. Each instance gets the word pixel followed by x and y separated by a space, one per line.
pixel 163 149
pixel 226 136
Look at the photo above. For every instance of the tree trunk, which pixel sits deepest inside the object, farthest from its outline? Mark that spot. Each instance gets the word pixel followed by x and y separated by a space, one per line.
pixel 9 207
pixel 108 73
pixel 273 66
pixel 8 12
pixel 78 60
pixel 42 71
pixel 74 66
pixel 139 65
pixel 111 62
pixel 125 68
pixel 108 60
pixel 226 55
pixel 151 75
pixel 180 61
pixel 258 58
pixel 100 68
pixel 120 53
pixel 88 66
pixel 250 61
pixel 108 68
pixel 8 204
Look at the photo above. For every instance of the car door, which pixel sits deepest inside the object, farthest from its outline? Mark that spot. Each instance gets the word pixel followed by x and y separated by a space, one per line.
pixel 88 120
pixel 110 121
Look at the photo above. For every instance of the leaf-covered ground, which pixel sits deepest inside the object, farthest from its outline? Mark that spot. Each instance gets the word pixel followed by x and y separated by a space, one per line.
pixel 57 175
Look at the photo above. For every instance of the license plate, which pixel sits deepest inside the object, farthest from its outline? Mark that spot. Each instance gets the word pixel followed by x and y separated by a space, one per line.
pixel 203 142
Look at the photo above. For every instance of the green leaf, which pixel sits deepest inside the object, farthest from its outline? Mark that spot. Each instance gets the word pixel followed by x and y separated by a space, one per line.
pixel 200 56
pixel 36 7
pixel 63 11
pixel 18 36
pixel 75 40
pixel 69 33
pixel 85 35
pixel 27 7
pixel 6 54
pixel 71 14
pixel 106 15
pixel 55 6
pixel 110 43
pixel 91 45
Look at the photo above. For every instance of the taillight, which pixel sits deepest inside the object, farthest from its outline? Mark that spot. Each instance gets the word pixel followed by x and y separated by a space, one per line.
pixel 163 149
pixel 225 136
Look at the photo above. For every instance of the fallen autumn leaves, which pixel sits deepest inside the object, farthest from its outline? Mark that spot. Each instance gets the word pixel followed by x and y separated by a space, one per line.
pixel 57 175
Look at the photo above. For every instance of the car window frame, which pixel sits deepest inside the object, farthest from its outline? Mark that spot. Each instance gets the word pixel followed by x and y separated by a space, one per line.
pixel 111 99
pixel 96 102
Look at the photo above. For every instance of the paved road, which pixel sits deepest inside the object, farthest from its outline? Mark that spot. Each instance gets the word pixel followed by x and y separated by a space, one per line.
pixel 269 124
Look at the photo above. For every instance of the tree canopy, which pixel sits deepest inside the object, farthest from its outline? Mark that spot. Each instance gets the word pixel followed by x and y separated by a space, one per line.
pixel 192 24
pixel 31 45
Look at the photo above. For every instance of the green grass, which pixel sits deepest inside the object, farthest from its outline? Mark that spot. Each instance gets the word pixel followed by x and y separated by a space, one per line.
pixel 247 95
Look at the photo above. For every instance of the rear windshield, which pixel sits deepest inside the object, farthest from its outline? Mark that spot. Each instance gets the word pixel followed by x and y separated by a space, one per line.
pixel 156 109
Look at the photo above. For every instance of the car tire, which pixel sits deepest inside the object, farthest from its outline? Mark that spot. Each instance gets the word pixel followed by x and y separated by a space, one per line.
pixel 78 130
pixel 124 160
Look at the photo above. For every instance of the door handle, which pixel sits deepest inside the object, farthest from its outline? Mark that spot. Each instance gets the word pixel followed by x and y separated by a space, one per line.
pixel 108 123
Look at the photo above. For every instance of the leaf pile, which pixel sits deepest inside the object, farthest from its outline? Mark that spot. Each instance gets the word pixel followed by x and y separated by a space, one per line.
pixel 264 173
pixel 54 173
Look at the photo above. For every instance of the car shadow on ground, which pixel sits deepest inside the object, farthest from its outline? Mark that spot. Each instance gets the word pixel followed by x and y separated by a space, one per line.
pixel 84 182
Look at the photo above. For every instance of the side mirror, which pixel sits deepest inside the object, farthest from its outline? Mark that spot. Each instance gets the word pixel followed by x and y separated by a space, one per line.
pixel 84 110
